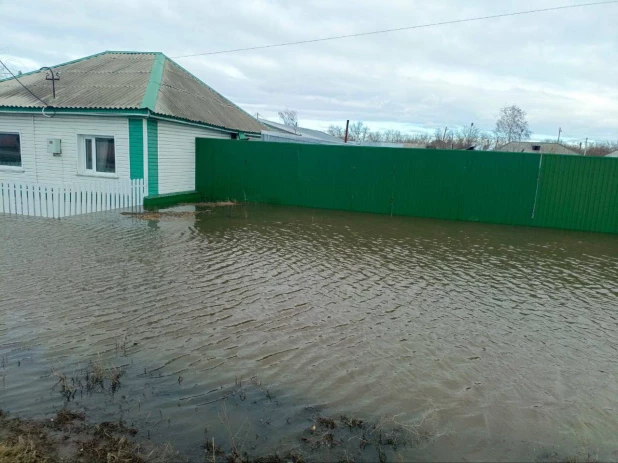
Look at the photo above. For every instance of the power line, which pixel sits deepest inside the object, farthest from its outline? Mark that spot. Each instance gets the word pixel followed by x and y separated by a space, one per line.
pixel 20 83
pixel 384 31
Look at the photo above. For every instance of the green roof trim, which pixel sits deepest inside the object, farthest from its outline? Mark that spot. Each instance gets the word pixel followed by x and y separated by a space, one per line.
pixel 107 111
pixel 57 65
pixel 165 117
pixel 154 83
pixel 122 112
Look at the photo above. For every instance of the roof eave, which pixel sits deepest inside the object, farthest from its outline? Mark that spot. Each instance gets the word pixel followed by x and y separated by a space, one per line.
pixel 144 112
pixel 202 124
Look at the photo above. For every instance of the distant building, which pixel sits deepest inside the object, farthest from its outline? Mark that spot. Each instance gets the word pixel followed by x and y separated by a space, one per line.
pixel 385 144
pixel 281 133
pixel 613 154
pixel 536 147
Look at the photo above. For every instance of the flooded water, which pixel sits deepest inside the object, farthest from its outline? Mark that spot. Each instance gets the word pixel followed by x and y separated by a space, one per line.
pixel 498 342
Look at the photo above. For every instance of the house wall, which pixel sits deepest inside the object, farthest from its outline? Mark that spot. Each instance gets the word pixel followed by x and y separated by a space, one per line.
pixel 176 153
pixel 39 166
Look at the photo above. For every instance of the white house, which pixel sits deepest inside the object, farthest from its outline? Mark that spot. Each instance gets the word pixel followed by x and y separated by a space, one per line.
pixel 114 116
pixel 613 154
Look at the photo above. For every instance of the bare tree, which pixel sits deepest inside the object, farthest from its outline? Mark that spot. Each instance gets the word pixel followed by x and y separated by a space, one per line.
pixel 336 131
pixel 443 138
pixel 358 131
pixel 289 117
pixel 486 141
pixel 512 125
pixel 376 136
pixel 468 136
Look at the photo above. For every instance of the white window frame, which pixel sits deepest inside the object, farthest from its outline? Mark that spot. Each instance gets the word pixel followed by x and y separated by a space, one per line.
pixel 82 169
pixel 19 168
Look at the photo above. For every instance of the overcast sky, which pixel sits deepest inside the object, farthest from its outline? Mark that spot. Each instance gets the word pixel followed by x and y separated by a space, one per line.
pixel 561 67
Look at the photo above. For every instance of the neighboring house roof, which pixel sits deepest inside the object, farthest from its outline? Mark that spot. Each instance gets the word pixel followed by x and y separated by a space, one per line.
pixel 388 144
pixel 116 80
pixel 613 154
pixel 297 134
pixel 536 147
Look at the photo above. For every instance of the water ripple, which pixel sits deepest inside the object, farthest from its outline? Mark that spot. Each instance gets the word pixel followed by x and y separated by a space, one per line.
pixel 506 331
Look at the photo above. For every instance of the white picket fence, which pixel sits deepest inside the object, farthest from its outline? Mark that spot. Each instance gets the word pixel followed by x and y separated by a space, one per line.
pixel 67 199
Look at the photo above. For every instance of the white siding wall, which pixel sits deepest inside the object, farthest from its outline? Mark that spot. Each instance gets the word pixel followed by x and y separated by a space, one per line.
pixel 177 155
pixel 34 132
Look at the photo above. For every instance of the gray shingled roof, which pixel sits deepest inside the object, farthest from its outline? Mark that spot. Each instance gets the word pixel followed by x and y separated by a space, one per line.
pixel 120 80
pixel 543 147
pixel 297 132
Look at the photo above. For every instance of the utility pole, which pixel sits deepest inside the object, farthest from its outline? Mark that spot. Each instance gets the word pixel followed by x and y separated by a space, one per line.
pixel 347 126
pixel 54 78
pixel 559 132
pixel 586 146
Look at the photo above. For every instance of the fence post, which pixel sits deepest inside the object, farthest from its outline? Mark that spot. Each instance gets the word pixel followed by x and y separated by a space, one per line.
pixel 18 199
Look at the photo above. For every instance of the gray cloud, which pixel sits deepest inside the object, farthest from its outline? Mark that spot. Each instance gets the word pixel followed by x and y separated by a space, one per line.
pixel 561 67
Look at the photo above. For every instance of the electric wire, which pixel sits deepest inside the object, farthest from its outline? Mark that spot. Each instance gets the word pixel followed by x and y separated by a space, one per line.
pixel 398 29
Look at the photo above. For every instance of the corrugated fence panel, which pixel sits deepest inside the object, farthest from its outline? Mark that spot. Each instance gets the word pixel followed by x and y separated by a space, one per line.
pixel 423 187
pixel 570 192
pixel 500 187
pixel 579 193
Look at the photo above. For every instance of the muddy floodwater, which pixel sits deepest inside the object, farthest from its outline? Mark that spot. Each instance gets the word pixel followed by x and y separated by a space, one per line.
pixel 490 342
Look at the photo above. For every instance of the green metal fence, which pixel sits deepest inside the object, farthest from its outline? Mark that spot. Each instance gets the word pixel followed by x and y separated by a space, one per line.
pixel 571 192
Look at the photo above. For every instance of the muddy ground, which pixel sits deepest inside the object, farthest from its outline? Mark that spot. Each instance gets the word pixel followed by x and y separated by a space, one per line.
pixel 68 436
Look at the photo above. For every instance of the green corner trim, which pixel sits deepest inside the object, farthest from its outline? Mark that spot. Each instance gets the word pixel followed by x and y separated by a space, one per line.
pixel 154 83
pixel 171 199
pixel 152 129
pixel 136 148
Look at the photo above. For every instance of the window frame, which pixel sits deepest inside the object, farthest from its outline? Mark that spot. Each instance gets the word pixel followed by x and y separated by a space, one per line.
pixel 82 165
pixel 20 167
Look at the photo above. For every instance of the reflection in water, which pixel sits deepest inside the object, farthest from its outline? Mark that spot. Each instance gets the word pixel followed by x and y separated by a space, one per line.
pixel 508 334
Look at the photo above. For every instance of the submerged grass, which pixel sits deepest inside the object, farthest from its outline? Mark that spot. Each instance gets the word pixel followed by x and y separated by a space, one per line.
pixel 67 438
pixel 21 451
pixel 95 377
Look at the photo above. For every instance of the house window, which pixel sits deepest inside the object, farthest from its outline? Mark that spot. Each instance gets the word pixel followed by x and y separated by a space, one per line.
pixel 98 155
pixel 536 147
pixel 10 149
